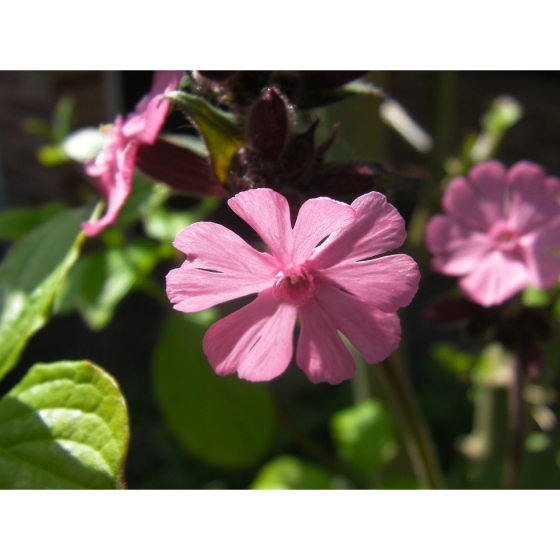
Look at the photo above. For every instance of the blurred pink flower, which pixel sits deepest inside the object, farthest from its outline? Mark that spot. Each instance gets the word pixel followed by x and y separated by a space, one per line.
pixel 332 284
pixel 113 167
pixel 500 233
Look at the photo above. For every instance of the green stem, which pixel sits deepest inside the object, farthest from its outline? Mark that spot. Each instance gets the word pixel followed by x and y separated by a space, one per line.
pixel 517 437
pixel 414 430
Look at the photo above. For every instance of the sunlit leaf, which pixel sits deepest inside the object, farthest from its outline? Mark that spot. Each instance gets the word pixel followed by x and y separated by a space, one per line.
pixel 291 473
pixel 220 131
pixel 29 278
pixel 364 435
pixel 16 222
pixel 65 425
pixel 224 421
pixel 99 281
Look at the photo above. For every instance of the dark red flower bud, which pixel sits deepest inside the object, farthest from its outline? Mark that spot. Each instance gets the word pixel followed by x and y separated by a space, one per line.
pixel 299 154
pixel 269 124
pixel 179 168
pixel 449 310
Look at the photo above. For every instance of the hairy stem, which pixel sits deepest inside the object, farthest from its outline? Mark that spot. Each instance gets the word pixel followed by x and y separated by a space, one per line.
pixel 409 418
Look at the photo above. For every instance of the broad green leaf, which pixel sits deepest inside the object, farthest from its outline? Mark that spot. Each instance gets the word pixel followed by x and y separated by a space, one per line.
pixel 29 278
pixel 101 280
pixel 291 473
pixel 364 435
pixel 224 421
pixel 220 131
pixel 65 425
pixel 16 222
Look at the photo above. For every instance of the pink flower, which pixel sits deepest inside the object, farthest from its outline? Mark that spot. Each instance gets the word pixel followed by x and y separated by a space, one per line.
pixel 114 165
pixel 332 285
pixel 501 231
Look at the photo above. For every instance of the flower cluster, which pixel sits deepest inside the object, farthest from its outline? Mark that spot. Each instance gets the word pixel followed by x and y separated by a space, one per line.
pixel 113 167
pixel 320 270
pixel 500 232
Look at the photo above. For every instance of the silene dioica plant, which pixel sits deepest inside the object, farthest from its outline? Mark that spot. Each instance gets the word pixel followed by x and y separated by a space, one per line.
pixel 290 258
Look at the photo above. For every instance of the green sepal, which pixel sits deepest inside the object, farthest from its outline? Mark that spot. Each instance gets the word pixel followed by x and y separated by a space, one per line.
pixel 220 131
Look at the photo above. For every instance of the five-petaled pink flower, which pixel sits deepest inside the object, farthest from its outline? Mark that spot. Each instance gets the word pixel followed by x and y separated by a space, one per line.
pixel 332 284
pixel 114 165
pixel 501 231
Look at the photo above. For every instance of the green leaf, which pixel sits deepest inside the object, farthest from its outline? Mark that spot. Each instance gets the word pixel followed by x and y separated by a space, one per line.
pixel 16 222
pixel 63 118
pixel 29 278
pixel 364 435
pixel 65 425
pixel 220 131
pixel 191 143
pixel 224 421
pixel 452 359
pixel 144 194
pixel 291 473
pixel 101 280
pixel 533 297
pixel 163 225
pixel 51 155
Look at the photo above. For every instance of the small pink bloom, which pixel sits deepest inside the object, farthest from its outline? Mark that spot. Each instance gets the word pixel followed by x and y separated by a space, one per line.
pixel 500 233
pixel 114 165
pixel 320 270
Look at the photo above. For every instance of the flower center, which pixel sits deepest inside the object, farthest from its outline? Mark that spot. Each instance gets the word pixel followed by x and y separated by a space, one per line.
pixel 504 237
pixel 294 286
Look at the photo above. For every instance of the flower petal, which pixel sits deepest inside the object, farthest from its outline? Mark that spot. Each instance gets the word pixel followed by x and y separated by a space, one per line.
pixel 316 219
pixel 374 333
pixel 220 266
pixel 496 277
pixel 542 249
pixel 255 341
pixel 488 179
pixel 114 182
pixel 457 250
pixel 321 354
pixel 148 118
pixel 268 213
pixel 379 228
pixel 462 201
pixel 532 203
pixel 386 283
